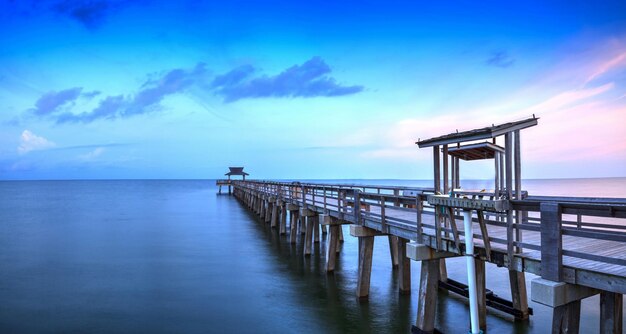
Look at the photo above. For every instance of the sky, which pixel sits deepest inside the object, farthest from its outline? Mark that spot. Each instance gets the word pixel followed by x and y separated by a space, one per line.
pixel 109 89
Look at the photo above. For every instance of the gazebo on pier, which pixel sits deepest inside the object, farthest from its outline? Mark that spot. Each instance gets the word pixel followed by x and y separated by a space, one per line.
pixel 236 171
pixel 233 171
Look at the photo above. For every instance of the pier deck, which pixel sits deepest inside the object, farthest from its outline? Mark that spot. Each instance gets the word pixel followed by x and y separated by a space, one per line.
pixel 594 255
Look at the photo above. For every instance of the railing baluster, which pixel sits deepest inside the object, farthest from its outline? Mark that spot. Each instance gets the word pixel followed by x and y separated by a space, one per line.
pixel 357 206
pixel 382 213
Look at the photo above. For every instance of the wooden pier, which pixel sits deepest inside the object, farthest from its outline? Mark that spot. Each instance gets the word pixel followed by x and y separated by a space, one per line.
pixel 576 245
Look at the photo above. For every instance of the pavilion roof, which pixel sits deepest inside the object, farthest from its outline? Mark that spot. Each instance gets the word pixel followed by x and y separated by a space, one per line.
pixel 478 134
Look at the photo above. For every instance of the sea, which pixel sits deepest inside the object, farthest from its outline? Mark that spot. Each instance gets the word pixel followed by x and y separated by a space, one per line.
pixel 173 256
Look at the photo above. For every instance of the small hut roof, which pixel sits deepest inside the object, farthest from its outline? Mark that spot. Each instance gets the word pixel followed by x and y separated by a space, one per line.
pixel 236 171
pixel 478 134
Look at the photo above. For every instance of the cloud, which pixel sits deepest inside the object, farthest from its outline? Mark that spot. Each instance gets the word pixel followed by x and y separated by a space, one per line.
pixel 568 98
pixel 31 142
pixel 150 95
pixel 106 109
pixel 51 101
pixel 54 101
pixel 90 13
pixel 233 77
pixel 92 155
pixel 307 80
pixel 602 68
pixel 175 81
pixel 581 108
pixel 500 59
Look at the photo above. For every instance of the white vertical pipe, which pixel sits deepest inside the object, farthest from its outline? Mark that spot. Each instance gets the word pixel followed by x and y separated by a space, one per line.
pixel 471 271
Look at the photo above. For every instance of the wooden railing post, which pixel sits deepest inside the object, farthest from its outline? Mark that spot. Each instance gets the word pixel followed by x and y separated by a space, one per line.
pixel 551 242
pixel 382 213
pixel 357 206
pixel 418 218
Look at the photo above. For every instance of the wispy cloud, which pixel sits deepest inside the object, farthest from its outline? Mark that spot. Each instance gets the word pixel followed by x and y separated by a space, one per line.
pixel 31 142
pixel 501 59
pixel 603 67
pixel 309 79
pixel 92 155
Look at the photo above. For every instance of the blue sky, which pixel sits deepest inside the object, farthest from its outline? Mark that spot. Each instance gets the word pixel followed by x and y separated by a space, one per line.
pixel 146 89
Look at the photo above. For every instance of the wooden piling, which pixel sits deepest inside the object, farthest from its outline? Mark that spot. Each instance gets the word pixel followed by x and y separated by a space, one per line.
pixel 566 318
pixel 611 306
pixel 404 267
pixel 308 236
pixel 293 226
pixel 481 292
pixel 269 210
pixel 519 295
pixel 283 219
pixel 333 242
pixel 393 250
pixel 427 300
pixel 316 229
pixel 274 217
pixel 366 248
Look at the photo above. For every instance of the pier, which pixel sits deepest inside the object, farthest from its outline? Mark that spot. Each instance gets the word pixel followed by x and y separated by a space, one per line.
pixel 577 246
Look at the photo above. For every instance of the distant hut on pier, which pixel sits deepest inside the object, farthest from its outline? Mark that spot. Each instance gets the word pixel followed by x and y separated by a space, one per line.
pixel 233 171
pixel 236 171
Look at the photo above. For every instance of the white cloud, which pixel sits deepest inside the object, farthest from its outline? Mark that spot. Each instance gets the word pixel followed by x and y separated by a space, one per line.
pixel 93 155
pixel 31 142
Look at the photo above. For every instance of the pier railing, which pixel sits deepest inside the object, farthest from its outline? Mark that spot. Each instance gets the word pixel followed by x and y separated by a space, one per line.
pixel 560 232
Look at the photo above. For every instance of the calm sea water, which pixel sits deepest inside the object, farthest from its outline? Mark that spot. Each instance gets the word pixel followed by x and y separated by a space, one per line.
pixel 172 256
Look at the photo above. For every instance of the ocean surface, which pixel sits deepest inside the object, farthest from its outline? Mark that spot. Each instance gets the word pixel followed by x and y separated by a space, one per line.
pixel 155 256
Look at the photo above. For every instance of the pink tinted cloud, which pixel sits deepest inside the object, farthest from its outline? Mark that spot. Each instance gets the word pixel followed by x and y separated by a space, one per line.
pixel 581 105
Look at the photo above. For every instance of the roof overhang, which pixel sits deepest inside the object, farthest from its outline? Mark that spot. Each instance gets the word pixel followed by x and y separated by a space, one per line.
pixel 478 134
